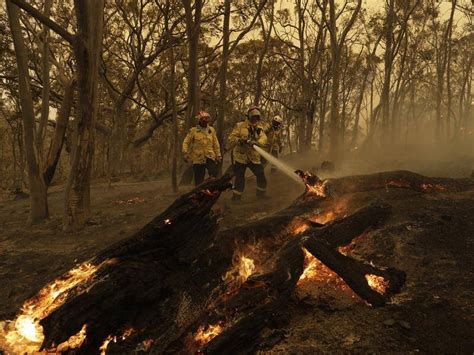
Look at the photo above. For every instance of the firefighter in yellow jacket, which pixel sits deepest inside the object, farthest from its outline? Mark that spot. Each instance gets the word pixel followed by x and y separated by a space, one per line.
pixel 201 147
pixel 243 137
pixel 275 139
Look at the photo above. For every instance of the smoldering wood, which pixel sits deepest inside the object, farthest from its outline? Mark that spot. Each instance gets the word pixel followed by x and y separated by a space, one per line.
pixel 398 179
pixel 148 277
pixel 323 243
pixel 166 280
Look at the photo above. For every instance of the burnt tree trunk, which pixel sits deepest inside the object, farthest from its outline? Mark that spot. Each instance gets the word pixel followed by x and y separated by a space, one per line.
pixel 159 288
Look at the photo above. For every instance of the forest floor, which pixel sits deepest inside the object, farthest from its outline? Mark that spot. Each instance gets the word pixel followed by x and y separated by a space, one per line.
pixel 429 236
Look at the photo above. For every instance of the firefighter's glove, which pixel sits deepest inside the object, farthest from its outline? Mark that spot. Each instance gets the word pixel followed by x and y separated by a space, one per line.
pixel 253 142
pixel 244 141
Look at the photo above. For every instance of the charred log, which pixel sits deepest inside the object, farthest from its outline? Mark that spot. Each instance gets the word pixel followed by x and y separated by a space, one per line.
pixel 323 243
pixel 163 284
pixel 141 280
pixel 397 179
pixel 243 313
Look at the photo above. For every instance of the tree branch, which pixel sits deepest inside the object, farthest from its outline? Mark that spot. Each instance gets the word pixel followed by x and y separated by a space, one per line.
pixel 69 37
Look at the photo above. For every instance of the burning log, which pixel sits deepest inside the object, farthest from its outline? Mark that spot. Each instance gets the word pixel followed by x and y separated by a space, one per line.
pixel 179 284
pixel 244 313
pixel 323 243
pixel 138 283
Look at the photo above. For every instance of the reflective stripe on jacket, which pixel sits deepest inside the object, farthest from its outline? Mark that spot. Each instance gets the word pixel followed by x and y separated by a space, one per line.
pixel 201 143
pixel 243 153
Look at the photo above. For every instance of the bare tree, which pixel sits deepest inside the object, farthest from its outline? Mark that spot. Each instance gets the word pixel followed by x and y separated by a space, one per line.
pixel 337 41
pixel 37 187
pixel 86 44
pixel 193 29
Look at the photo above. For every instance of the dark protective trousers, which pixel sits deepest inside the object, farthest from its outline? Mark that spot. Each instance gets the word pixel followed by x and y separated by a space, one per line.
pixel 256 169
pixel 200 171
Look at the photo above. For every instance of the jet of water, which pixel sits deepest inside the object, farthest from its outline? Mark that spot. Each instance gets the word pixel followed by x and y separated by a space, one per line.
pixel 288 170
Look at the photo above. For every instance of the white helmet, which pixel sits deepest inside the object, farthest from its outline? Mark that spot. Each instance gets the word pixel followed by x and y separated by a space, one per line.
pixel 278 119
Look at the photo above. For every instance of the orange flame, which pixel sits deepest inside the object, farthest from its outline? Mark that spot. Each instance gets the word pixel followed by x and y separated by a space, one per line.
pixel 206 333
pixel 244 264
pixel 316 271
pixel 377 283
pixel 125 334
pixel 311 267
pixel 336 210
pixel 74 341
pixel 314 185
pixel 25 332
pixel 317 189
pixel 242 268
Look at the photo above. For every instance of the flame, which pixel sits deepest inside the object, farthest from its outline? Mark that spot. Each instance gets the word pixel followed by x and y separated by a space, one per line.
pixel 336 210
pixel 205 334
pixel 377 283
pixel 105 344
pixel 316 271
pixel 314 185
pixel 244 264
pixel 241 270
pixel 74 341
pixel 299 226
pixel 317 189
pixel 112 338
pixel 311 267
pixel 25 332
pixel 145 345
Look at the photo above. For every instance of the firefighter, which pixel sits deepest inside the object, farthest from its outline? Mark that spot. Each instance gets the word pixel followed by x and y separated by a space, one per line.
pixel 201 147
pixel 243 137
pixel 275 139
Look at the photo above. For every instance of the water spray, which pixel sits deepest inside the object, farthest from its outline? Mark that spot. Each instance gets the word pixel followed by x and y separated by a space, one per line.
pixel 286 169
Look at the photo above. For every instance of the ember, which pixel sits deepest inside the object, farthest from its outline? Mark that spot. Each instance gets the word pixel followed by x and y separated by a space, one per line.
pixel 336 210
pixel 377 283
pixel 110 338
pixel 316 271
pixel 346 249
pixel 433 187
pixel 398 183
pixel 206 333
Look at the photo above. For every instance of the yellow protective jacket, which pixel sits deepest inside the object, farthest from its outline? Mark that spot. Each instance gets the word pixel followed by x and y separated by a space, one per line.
pixel 243 153
pixel 275 139
pixel 201 143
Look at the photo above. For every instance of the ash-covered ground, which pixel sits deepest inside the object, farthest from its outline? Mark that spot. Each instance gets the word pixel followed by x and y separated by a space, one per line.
pixel 429 236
